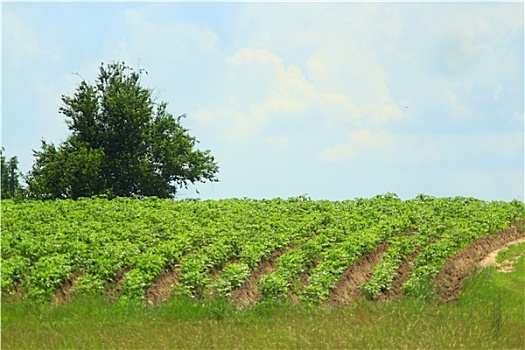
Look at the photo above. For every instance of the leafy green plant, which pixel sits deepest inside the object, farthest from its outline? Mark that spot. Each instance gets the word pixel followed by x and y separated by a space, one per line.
pixel 216 244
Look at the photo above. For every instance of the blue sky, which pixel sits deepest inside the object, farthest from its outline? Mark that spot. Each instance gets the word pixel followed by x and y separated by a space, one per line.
pixel 333 100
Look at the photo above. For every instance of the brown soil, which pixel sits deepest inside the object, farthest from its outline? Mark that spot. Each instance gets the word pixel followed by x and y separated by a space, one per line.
pixel 16 294
pixel 303 281
pixel 359 272
pixel 450 279
pixel 506 266
pixel 113 289
pixel 64 293
pixel 248 293
pixel 347 289
pixel 162 287
pixel 210 291
pixel 400 278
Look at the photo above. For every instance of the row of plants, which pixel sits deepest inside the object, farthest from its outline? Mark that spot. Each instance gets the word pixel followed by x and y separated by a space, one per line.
pixel 441 228
pixel 216 244
pixel 387 216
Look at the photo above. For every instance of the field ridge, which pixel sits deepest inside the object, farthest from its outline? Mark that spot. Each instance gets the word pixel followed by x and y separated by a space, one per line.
pixel 457 268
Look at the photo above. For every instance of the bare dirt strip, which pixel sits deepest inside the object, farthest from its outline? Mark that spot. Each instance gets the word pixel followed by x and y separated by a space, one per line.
pixel 490 260
pixel 113 289
pixel 248 293
pixel 359 272
pixel 400 278
pixel 162 287
pixel 450 279
pixel 64 293
pixel 303 281
pixel 347 289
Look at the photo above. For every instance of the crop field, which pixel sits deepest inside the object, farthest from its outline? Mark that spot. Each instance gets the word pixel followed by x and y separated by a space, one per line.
pixel 283 273
pixel 246 251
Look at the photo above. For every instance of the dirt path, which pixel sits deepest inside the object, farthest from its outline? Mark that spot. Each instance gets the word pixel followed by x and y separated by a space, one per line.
pixel 490 259
pixel 450 279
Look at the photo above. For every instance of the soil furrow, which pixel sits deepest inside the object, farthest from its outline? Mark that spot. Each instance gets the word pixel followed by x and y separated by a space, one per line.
pixel 401 276
pixel 450 279
pixel 248 293
pixel 65 293
pixel 162 287
pixel 347 288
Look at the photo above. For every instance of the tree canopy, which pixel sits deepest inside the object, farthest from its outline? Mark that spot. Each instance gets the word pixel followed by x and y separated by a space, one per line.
pixel 122 143
pixel 10 183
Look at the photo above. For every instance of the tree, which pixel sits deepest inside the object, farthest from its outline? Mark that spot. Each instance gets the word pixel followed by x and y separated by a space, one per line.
pixel 10 183
pixel 122 143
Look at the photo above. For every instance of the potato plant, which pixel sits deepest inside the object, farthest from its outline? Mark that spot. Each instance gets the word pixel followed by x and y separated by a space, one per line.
pixel 216 244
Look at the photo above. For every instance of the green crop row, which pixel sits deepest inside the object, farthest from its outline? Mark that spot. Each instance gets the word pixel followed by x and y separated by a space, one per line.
pixel 216 244
pixel 443 228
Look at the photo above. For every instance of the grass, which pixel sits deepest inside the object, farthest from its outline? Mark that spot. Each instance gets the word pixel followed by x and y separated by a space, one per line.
pixel 489 314
pixel 513 252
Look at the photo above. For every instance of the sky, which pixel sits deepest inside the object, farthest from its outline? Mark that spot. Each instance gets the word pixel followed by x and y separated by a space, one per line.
pixel 330 100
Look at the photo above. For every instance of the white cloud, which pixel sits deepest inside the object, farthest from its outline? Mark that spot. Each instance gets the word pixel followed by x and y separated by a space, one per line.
pixel 346 66
pixel 472 21
pixel 265 89
pixel 253 55
pixel 358 143
pixel 339 109
pixel 342 66
pixel 274 87
pixel 308 61
pixel 386 18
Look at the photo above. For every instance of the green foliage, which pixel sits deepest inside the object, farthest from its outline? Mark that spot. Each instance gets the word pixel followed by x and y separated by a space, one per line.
pixel 400 248
pixel 465 220
pixel 122 143
pixel 513 252
pixel 387 215
pixel 10 177
pixel 71 171
pixel 214 245
pixel 48 274
pixel 232 277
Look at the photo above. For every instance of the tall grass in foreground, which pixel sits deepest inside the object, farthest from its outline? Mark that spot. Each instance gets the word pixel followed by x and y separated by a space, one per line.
pixel 489 314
